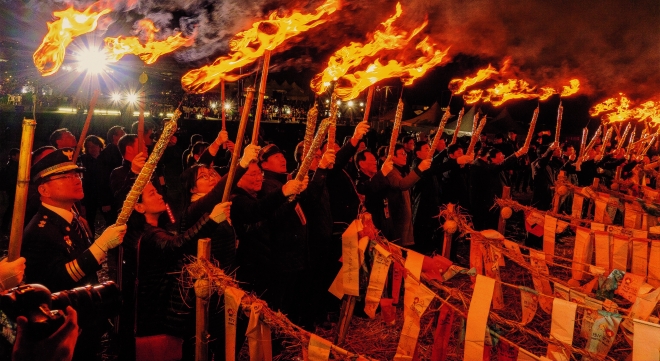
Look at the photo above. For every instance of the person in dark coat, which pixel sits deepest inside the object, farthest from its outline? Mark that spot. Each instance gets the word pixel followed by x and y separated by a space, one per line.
pixel 89 160
pixel 401 180
pixel 184 156
pixel 59 252
pixel 109 159
pixel 454 179
pixel 373 185
pixel 545 170
pixel 486 183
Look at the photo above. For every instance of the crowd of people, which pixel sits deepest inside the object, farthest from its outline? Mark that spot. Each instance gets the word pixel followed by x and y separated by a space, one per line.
pixel 280 236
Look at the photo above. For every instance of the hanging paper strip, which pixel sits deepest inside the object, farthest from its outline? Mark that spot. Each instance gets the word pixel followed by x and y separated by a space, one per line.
pixel 541 284
pixel 640 253
pixel 561 328
pixel 589 316
pixel 629 286
pixel 654 264
pixel 602 245
pixel 478 317
pixel 233 298
pixel 597 226
pixel 581 252
pixel 577 297
pixel 562 292
pixel 610 211
pixel 529 299
pixel 492 267
pixel 561 226
pixel 347 280
pixel 642 308
pixel 549 228
pixel 603 333
pixel 599 213
pixel 398 271
pixel 258 334
pixel 417 298
pixel 377 280
pixel 513 248
pixel 620 252
pixel 318 349
pixel 476 256
pixel 578 201
pixel 534 223
pixel 442 334
pixel 630 215
pixel 639 233
pixel 646 341
pixel 387 311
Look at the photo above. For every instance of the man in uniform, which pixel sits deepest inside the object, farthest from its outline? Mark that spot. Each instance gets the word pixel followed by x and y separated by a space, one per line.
pixel 58 251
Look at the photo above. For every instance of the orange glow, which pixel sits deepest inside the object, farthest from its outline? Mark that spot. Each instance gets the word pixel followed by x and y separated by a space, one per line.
pixel 71 23
pixel 352 55
pixel 407 70
pixel 571 89
pixel 249 45
pixel 620 110
pixel 512 89
pixel 546 92
pixel 458 86
pixel 117 47
pixel 619 105
pixel 473 96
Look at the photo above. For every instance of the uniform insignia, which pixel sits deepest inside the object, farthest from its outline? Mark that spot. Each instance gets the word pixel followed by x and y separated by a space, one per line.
pixel 68 153
pixel 45 216
pixel 42 224
pixel 68 241
pixel 67 229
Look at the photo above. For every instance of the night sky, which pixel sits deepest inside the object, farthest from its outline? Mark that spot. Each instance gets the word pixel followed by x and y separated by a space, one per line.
pixel 611 46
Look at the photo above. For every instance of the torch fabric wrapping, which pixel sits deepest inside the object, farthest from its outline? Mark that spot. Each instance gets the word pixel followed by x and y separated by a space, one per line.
pixel 646 341
pixel 438 134
pixel 395 129
pixel 602 246
pixel 654 264
pixel 259 336
pixel 640 254
pixel 561 328
pixel 318 348
pixel 476 134
pixel 581 252
pixel 532 125
pixel 477 319
pixel 549 230
pixel 334 109
pixel 148 169
pixel 459 120
pixel 377 279
pixel 233 298
pixel 310 127
pixel 560 114
pixel 314 145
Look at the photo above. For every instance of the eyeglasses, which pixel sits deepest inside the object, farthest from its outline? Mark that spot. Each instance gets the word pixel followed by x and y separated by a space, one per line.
pixel 208 176
pixel 69 176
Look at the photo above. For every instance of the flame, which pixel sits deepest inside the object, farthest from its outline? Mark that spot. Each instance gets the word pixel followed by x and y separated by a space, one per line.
pixel 116 48
pixel 571 89
pixel 249 45
pixel 546 92
pixel 618 105
pixel 620 110
pixel 408 71
pixel 473 96
pixel 512 89
pixel 458 86
pixel 71 23
pixel 352 55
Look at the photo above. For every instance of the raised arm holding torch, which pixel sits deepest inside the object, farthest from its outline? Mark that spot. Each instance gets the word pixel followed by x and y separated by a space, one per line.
pixel 606 139
pixel 332 127
pixel 88 120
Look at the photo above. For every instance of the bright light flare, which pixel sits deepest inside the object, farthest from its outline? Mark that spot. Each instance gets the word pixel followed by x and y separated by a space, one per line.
pixel 132 98
pixel 115 97
pixel 93 61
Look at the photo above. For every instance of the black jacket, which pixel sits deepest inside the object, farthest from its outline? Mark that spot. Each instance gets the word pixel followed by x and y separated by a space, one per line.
pixel 344 200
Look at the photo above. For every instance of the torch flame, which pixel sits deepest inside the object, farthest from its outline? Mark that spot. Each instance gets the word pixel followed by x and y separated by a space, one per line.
pixel 620 110
pixel 117 47
pixel 408 71
pixel 512 89
pixel 71 23
pixel 571 89
pixel 473 96
pixel 352 55
pixel 458 86
pixel 249 45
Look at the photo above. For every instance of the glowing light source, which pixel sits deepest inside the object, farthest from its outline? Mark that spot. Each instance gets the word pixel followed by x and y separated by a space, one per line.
pixel 115 97
pixel 350 103
pixel 227 106
pixel 132 98
pixel 93 61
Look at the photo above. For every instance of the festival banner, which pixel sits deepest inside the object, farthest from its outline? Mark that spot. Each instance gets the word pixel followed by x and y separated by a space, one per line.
pixel 629 286
pixel 642 308
pixel 561 328
pixel 640 253
pixel 529 299
pixel 377 279
pixel 318 348
pixel 646 341
pixel 541 284
pixel 581 252
pixel 258 335
pixel 578 202
pixel 549 228
pixel 442 334
pixel 233 298
pixel 589 316
pixel 602 245
pixel 603 333
pixel 478 318
pixel 620 252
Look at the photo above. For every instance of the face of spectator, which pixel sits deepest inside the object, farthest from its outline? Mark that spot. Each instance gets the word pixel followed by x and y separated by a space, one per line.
pixel 457 153
pixel 67 140
pixel 410 145
pixel 152 201
pixel 252 180
pixel 275 163
pixel 15 157
pixel 499 158
pixel 207 178
pixel 63 188
pixel 400 157
pixel 569 151
pixel 369 165
pixel 115 138
pixel 441 145
pixel 423 153
pixel 92 149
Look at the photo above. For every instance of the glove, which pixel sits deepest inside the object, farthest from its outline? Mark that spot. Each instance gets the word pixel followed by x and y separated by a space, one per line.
pixel 222 137
pixel 292 187
pixel 464 159
pixel 424 165
pixel 220 212
pixel 250 154
pixel 328 159
pixel 11 273
pixel 138 162
pixel 112 237
pixel 387 167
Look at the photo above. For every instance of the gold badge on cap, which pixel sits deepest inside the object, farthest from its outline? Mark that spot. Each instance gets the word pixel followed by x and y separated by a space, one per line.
pixel 68 153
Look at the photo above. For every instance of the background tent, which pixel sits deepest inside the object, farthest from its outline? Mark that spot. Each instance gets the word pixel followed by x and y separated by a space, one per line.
pixel 466 123
pixel 430 118
pixel 503 123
